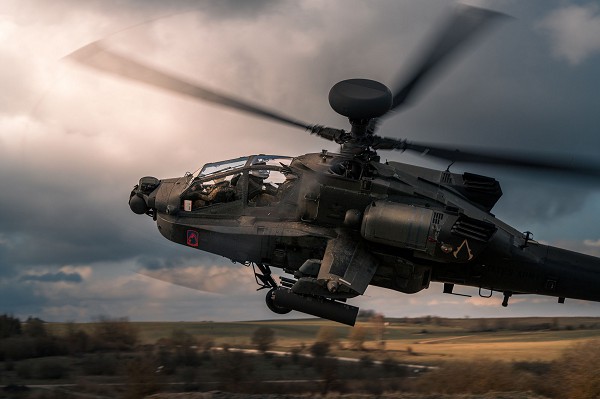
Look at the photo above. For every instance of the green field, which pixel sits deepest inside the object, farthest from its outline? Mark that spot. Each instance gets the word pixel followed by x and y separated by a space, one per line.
pixel 118 358
pixel 421 340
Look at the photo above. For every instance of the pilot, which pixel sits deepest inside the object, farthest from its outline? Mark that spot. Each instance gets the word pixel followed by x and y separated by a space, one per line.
pixel 216 193
pixel 285 188
pixel 259 192
pixel 221 192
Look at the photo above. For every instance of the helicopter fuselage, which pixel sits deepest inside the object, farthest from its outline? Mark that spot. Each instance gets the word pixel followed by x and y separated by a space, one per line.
pixel 339 226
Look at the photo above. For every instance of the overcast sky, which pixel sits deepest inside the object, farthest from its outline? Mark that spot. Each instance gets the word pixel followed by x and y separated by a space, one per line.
pixel 73 141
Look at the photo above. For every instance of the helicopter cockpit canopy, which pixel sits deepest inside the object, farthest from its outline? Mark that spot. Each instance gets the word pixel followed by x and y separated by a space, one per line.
pixel 235 179
pixel 215 168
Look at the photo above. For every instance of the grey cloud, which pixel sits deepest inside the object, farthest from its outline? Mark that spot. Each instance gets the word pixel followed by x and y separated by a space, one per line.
pixel 54 277
pixel 573 31
pixel 144 10
pixel 153 263
pixel 232 9
pixel 7 269
pixel 19 298
pixel 183 258
pixel 54 225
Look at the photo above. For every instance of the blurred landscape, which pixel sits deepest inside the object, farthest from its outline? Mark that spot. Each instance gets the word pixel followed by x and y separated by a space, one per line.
pixel 426 357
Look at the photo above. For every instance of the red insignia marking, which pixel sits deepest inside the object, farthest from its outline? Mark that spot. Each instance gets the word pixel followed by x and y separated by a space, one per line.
pixel 192 238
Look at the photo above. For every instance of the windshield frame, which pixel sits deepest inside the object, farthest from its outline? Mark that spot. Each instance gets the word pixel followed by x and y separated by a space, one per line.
pixel 238 165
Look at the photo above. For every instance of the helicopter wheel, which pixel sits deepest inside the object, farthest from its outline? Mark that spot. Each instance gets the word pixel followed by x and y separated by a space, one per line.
pixel 271 305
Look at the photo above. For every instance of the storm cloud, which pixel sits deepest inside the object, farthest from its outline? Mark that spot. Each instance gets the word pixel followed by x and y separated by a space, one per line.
pixel 73 141
pixel 53 277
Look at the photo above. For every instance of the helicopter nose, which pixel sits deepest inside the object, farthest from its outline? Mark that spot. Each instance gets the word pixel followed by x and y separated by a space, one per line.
pixel 139 197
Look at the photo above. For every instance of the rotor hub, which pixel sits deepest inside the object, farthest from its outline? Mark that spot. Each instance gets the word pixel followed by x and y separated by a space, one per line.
pixel 360 99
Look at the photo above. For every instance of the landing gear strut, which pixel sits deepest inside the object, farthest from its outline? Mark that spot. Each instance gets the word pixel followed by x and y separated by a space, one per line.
pixel 263 276
pixel 507 295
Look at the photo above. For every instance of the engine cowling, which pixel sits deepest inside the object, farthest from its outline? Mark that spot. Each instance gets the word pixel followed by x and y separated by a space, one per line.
pixel 398 225
pixel 440 235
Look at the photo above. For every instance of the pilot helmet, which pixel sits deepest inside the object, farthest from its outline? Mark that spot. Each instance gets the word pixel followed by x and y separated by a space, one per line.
pixel 262 173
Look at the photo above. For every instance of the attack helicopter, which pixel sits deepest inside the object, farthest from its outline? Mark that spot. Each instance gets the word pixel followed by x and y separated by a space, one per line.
pixel 336 223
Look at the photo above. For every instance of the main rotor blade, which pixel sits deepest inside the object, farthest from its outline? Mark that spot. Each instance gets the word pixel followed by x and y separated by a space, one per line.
pixel 173 278
pixel 523 161
pixel 97 56
pixel 466 23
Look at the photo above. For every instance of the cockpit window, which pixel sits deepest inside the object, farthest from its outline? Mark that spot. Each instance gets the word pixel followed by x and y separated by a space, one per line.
pixel 223 166
pixel 217 182
pixel 271 160
pixel 217 167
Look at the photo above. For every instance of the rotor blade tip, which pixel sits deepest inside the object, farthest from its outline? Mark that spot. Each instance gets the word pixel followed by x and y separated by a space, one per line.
pixel 482 12
pixel 84 53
